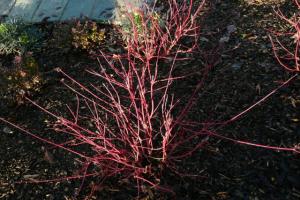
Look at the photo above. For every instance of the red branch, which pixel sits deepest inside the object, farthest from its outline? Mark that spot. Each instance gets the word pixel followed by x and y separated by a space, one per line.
pixel 287 54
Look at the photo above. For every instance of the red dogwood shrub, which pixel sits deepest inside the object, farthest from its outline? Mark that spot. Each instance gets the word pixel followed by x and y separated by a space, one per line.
pixel 286 43
pixel 131 125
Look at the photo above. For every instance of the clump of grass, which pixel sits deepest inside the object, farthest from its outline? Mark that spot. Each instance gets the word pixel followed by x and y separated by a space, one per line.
pixel 16 37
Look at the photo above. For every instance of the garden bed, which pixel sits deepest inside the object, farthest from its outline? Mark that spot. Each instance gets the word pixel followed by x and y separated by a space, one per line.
pixel 244 70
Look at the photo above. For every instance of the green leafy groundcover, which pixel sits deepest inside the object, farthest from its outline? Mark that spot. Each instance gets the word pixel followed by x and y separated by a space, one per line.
pixel 16 37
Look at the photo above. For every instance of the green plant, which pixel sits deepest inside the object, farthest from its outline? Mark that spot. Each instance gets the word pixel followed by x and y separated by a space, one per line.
pixel 9 43
pixel 138 20
pixel 16 37
pixel 139 23
pixel 87 36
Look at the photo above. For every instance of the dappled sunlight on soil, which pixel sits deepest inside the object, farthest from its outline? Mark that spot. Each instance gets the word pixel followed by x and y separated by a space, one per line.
pixel 265 2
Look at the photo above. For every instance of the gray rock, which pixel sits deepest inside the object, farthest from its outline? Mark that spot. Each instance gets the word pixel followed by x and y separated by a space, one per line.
pixel 231 29
pixel 236 66
pixel 58 10
pixel 7 130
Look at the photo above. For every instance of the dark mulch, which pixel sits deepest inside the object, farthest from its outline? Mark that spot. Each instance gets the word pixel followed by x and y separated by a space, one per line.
pixel 245 71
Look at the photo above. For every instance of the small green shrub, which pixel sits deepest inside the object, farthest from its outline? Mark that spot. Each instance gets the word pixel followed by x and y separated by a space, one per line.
pixel 87 35
pixel 17 37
